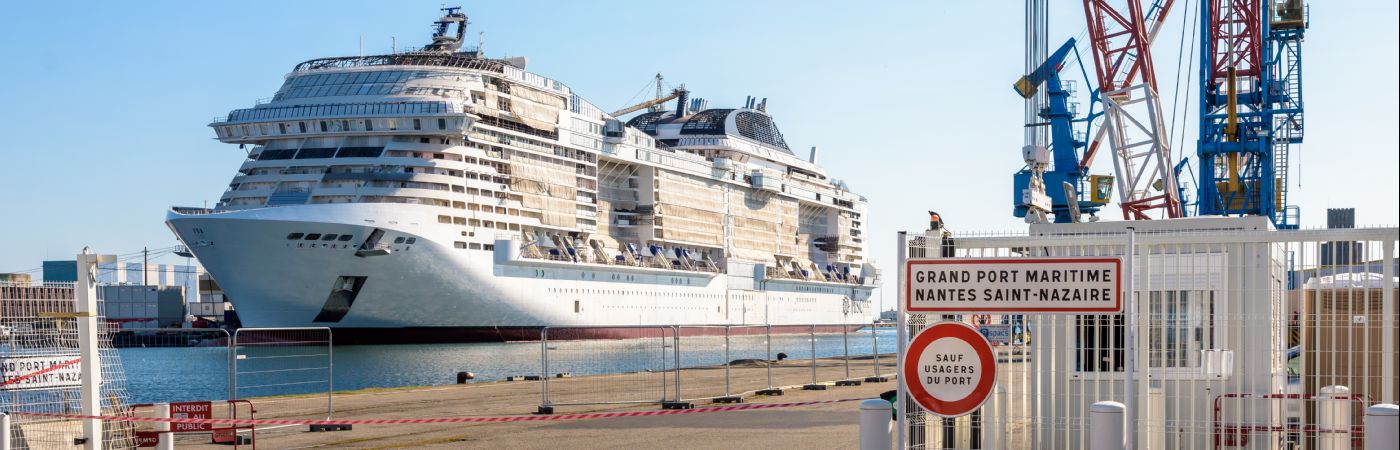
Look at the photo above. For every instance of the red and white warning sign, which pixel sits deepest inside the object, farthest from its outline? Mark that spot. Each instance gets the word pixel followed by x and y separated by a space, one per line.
pixel 949 369
pixel 191 410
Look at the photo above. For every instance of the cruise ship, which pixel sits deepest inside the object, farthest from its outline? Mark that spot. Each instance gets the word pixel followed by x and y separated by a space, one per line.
pixel 436 194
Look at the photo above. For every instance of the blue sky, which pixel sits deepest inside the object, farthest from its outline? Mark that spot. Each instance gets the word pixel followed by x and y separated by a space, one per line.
pixel 105 105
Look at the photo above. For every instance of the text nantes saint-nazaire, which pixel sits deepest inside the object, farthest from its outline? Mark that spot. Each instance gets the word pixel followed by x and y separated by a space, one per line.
pixel 935 277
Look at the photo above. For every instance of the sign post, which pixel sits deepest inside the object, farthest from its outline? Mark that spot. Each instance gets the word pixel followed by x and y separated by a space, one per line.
pixel 950 369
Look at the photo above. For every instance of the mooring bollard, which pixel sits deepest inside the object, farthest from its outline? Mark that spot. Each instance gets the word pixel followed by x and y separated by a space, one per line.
pixel 875 424
pixel 1107 429
pixel 165 440
pixel 1382 427
pixel 1334 418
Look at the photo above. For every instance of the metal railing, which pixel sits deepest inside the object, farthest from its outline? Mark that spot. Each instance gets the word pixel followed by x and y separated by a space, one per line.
pixel 675 366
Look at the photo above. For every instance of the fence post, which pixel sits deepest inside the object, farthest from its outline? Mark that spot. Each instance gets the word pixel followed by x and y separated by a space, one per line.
pixel 1334 418
pixel 1130 362
pixel 164 439
pixel 812 338
pixel 1107 426
pixel 676 340
pixel 544 372
pixel 846 349
pixel 727 393
pixel 91 400
pixel 875 424
pixel 993 419
pixel 4 431
pixel 1382 426
pixel 768 341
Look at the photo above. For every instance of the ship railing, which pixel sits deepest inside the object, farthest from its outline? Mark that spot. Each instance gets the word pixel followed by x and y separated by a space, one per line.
pixel 673 365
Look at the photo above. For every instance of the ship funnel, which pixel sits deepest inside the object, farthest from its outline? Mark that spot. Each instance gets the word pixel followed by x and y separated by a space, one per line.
pixel 681 101
pixel 763 105
pixel 813 159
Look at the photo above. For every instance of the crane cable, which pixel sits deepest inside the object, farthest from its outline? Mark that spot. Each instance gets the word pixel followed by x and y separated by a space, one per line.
pixel 1183 48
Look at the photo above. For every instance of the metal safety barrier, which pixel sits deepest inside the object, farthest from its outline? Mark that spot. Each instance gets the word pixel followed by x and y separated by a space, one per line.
pixel 676 366
pixel 284 361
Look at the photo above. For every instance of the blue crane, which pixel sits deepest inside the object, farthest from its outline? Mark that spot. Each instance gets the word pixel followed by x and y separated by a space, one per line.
pixel 1060 165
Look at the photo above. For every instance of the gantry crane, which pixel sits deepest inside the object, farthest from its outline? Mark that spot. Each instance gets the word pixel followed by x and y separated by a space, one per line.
pixel 1251 106
pixel 1132 125
pixel 1251 111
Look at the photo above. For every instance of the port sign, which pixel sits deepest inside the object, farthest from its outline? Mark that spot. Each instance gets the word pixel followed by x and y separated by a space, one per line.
pixel 1014 285
pixel 40 372
pixel 191 410
pixel 949 369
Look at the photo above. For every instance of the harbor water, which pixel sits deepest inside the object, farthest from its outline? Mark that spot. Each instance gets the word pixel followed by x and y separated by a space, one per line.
pixel 169 374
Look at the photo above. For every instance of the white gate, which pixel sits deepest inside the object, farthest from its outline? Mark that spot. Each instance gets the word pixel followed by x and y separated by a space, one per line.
pixel 1246 338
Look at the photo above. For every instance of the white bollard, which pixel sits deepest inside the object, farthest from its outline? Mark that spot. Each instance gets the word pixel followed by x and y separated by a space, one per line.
pixel 1334 418
pixel 4 431
pixel 1382 427
pixel 875 424
pixel 164 439
pixel 1108 426
pixel 993 421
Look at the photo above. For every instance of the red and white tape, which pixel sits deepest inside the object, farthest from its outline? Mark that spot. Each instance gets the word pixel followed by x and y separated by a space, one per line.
pixel 477 419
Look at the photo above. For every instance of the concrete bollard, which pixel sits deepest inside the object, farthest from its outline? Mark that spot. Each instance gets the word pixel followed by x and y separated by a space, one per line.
pixel 165 440
pixel 1108 426
pixel 1382 427
pixel 1334 418
pixel 4 431
pixel 875 424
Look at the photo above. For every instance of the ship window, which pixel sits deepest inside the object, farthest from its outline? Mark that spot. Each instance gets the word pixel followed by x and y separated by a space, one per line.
pixel 282 128
pixel 488 246
pixel 267 155
pixel 369 125
pixel 311 153
pixel 459 244
pixel 442 124
pixel 330 237
pixel 417 125
pixel 411 241
pixel 302 126
pixel 475 246
pixel 294 236
pixel 346 237
pixel 398 240
pixel 313 236
pixel 324 128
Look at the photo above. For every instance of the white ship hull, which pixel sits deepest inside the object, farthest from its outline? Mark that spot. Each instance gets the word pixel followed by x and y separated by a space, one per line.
pixel 276 282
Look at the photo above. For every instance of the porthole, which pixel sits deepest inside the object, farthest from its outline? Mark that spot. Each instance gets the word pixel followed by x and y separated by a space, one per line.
pixel 330 237
pixel 313 236
pixel 294 236
pixel 346 237
pixel 398 240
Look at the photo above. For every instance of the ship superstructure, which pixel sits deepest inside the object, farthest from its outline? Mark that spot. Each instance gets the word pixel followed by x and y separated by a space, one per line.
pixel 438 188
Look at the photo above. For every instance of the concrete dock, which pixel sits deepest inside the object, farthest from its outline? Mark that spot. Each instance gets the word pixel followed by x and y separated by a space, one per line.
pixel 817 426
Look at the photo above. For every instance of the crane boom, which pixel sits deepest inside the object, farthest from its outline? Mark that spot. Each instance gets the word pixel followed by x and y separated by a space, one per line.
pixel 1119 41
pixel 649 103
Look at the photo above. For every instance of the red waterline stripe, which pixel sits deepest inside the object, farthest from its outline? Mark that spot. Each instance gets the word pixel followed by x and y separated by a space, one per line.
pixel 41 372
pixel 481 419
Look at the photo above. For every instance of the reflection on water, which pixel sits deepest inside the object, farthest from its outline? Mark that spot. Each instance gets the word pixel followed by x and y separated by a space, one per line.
pixel 201 373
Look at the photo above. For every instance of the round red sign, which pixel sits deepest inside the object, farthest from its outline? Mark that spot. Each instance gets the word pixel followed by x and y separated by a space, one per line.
pixel 949 369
